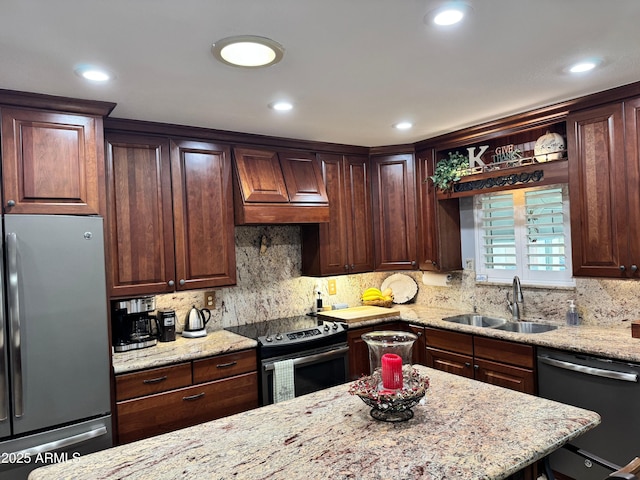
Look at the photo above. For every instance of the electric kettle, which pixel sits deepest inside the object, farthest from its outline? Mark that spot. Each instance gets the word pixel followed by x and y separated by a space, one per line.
pixel 194 324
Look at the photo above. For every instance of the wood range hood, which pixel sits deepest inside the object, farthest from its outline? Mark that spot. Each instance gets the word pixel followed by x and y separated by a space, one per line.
pixel 278 187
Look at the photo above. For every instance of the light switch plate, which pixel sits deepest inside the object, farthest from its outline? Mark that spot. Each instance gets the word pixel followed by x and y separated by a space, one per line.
pixel 332 287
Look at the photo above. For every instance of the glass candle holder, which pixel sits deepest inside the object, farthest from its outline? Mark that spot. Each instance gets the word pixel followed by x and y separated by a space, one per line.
pixel 389 356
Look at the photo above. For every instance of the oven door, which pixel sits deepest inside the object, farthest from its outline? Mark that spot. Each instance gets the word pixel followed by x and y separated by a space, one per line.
pixel 313 370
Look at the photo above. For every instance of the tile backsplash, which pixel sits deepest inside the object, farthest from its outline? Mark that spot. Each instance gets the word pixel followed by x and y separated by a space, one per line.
pixel 270 285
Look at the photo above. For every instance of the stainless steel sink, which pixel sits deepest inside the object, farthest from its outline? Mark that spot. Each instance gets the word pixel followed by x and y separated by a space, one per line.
pixel 476 320
pixel 526 327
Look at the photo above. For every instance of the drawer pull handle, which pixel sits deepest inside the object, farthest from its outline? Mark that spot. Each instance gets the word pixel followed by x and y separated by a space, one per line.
pixel 155 380
pixel 193 397
pixel 225 365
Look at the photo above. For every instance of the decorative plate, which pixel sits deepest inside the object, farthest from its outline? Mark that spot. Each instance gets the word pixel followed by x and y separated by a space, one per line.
pixel 403 286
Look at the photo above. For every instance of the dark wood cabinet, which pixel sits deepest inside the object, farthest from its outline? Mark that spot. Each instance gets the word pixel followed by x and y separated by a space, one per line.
pixel 160 400
pixel 604 146
pixel 358 353
pixel 393 212
pixel 438 221
pixel 52 162
pixel 345 243
pixel 278 187
pixel 170 214
pixel 419 351
pixel 499 362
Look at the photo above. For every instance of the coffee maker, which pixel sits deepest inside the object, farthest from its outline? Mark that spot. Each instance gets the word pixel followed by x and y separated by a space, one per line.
pixel 166 325
pixel 132 324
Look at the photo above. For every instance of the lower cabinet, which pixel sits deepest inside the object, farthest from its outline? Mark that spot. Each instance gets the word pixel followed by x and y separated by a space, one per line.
pixel 499 362
pixel 159 400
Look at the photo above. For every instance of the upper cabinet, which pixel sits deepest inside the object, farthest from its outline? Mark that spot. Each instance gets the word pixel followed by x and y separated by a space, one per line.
pixel 604 146
pixel 393 211
pixel 52 162
pixel 438 222
pixel 278 187
pixel 345 243
pixel 170 214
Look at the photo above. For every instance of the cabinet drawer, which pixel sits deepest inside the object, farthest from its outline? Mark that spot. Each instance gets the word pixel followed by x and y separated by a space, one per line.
pixel 163 412
pixel 504 351
pixel 450 362
pixel 514 378
pixel 452 341
pixel 222 366
pixel 131 385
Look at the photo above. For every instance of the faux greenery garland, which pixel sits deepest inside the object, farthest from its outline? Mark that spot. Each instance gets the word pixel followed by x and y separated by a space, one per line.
pixel 448 170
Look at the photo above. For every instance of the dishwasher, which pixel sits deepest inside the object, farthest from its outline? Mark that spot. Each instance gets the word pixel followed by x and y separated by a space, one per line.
pixel 607 387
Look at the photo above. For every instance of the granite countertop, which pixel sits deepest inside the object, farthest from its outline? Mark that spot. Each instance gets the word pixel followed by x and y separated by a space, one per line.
pixel 613 342
pixel 465 429
pixel 182 350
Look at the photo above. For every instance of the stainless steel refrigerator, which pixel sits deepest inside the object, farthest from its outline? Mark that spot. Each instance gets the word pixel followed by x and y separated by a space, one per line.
pixel 54 350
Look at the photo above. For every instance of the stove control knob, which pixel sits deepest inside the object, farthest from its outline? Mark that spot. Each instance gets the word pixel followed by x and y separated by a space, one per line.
pixel 269 339
pixel 278 336
pixel 326 327
pixel 335 326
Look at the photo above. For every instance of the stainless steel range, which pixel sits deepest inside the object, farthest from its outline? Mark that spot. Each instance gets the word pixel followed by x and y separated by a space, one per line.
pixel 317 350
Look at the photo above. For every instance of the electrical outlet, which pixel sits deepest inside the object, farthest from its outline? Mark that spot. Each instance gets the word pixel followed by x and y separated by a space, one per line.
pixel 468 264
pixel 332 287
pixel 210 299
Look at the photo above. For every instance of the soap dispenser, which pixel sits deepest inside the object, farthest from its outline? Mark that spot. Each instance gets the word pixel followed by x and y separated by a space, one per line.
pixel 572 314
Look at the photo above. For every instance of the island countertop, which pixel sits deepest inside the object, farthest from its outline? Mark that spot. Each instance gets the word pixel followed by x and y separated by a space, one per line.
pixel 464 429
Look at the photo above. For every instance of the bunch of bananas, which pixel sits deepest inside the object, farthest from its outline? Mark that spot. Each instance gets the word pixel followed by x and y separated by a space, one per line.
pixel 375 294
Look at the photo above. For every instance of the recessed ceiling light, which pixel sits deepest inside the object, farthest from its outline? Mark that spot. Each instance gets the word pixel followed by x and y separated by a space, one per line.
pixel 248 51
pixel 448 13
pixel 583 66
pixel 281 106
pixel 403 125
pixel 95 74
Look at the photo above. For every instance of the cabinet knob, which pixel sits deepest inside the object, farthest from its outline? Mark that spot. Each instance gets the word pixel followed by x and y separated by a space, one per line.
pixel 11 203
pixel 622 268
pixel 353 266
pixel 346 267
pixel 433 263
pixel 171 283
pixel 413 263
pixel 182 282
pixel 467 364
pixel 634 268
pixel 476 367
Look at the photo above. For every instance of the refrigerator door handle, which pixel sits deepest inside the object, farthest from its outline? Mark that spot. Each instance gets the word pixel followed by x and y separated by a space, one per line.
pixel 14 323
pixel 62 443
pixel 4 396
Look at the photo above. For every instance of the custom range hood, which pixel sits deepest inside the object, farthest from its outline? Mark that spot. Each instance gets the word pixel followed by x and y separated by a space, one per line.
pixel 278 187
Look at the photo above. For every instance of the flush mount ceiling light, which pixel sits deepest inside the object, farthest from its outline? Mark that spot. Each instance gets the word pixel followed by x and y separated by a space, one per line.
pixel 281 106
pixel 93 73
pixel 448 13
pixel 248 51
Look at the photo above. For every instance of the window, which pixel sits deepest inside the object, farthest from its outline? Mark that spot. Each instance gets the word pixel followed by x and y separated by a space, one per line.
pixel 524 232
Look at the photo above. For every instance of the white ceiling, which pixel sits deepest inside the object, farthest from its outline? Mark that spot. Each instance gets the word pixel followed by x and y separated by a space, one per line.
pixel 351 67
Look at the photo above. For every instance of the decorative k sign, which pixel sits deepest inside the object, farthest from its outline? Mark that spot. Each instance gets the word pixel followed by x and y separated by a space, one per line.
pixel 476 160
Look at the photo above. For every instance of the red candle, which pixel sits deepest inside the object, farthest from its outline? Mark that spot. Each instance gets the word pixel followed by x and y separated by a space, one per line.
pixel 391 371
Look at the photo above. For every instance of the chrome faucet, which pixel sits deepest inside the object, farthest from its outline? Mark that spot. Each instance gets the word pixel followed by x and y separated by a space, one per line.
pixel 516 306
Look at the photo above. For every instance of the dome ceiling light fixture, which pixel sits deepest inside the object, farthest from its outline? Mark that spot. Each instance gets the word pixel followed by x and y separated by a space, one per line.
pixel 584 66
pixel 248 51
pixel 281 106
pixel 403 125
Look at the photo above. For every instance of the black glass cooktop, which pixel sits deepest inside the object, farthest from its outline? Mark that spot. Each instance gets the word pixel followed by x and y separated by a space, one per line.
pixel 276 326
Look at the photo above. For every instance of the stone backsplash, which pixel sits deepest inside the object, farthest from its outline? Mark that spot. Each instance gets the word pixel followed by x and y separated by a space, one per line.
pixel 270 285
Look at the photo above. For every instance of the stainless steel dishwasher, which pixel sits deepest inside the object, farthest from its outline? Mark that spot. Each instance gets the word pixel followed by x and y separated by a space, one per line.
pixel 608 387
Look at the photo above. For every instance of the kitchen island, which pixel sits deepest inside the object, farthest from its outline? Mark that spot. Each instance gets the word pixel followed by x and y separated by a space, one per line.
pixel 463 430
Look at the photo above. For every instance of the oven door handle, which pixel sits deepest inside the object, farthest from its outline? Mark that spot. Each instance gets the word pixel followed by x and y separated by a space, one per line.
pixel 311 358
pixel 598 372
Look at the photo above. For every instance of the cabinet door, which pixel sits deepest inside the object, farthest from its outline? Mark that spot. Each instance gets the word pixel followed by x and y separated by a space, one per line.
pixel 203 215
pixel 52 163
pixel 358 353
pixel 394 220
pixel 140 215
pixel 303 178
pixel 439 246
pixel 419 351
pixel 507 376
pixel 260 176
pixel 450 362
pixel 359 229
pixel 598 193
pixel 632 170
